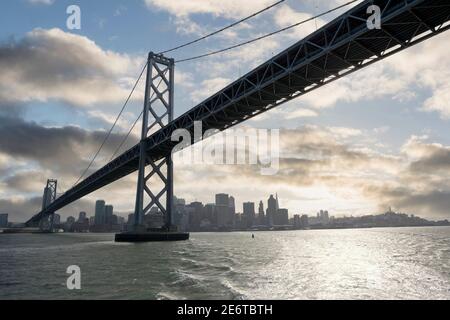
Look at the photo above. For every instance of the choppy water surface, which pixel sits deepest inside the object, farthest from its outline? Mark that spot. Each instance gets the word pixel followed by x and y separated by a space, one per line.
pixel 393 263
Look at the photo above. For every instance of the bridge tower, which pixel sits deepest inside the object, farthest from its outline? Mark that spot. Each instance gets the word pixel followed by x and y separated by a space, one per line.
pixel 49 196
pixel 158 112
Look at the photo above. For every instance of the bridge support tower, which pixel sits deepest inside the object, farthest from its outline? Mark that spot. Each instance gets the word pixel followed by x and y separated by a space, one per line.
pixel 155 177
pixel 46 224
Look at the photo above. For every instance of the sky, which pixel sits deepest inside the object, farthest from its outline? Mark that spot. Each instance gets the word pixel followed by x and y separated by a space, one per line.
pixel 376 139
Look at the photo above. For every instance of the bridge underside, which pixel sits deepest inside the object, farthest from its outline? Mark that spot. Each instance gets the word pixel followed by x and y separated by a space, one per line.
pixel 341 47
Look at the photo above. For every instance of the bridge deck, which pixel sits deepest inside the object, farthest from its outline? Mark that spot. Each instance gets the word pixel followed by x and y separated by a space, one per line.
pixel 337 49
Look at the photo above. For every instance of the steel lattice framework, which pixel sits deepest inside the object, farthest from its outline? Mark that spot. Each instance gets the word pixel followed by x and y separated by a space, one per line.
pixel 157 114
pixel 46 223
pixel 339 48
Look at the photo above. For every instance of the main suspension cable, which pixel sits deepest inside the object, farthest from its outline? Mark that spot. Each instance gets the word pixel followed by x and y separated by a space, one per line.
pixel 113 126
pixel 132 127
pixel 266 35
pixel 223 29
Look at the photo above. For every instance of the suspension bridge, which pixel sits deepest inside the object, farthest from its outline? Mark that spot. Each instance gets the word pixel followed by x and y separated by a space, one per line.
pixel 339 48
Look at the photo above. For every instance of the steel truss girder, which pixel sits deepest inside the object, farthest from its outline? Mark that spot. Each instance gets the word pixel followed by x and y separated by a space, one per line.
pixel 345 43
pixel 159 69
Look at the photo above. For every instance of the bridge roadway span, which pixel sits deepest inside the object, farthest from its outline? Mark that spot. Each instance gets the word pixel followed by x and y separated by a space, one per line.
pixel 337 49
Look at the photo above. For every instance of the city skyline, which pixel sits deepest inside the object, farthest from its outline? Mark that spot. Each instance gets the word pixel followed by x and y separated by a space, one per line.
pixel 123 214
pixel 104 219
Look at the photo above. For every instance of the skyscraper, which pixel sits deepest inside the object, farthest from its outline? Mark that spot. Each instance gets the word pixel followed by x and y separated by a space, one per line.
pixel 223 210
pixel 210 213
pixel 109 212
pixel 249 213
pixel 82 217
pixel 323 217
pixel 282 217
pixel 70 221
pixel 130 220
pixel 232 206
pixel 3 220
pixel 271 210
pixel 261 216
pixel 99 212
pixel 297 223
pixel 196 214
pixel 56 219
pixel 222 199
pixel 304 223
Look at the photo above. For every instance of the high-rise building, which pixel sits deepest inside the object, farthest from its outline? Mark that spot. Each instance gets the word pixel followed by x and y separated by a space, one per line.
pixel 70 221
pixel 99 212
pixel 109 213
pixel 181 220
pixel 261 216
pixel 210 213
pixel 232 206
pixel 82 224
pixel 304 223
pixel 222 199
pixel 223 216
pixel 56 219
pixel 271 210
pixel 223 210
pixel 326 217
pixel 297 223
pixel 282 217
pixel 82 216
pixel 239 222
pixel 69 225
pixel 130 220
pixel 178 201
pixel 3 220
pixel 249 213
pixel 196 212
pixel 323 217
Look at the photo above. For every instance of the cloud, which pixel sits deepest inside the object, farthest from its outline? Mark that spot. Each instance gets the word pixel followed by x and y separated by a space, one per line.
pixel 230 9
pixel 209 87
pixel 439 101
pixel 44 2
pixel 427 158
pixel 286 16
pixel 53 64
pixel 26 181
pixel 430 203
pixel 65 151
